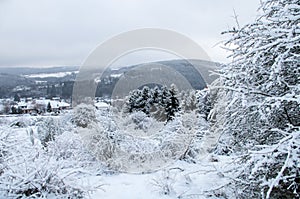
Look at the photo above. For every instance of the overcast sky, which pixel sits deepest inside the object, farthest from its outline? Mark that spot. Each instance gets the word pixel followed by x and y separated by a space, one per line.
pixel 63 32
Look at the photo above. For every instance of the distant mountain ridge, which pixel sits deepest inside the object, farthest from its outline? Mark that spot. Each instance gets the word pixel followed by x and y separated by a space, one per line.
pixel 11 80
pixel 195 71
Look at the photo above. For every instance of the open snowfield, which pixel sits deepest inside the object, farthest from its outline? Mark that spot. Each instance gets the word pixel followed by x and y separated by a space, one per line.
pixel 179 180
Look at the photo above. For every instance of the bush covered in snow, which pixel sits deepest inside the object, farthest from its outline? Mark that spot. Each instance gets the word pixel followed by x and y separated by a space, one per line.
pixel 139 120
pixel 138 143
pixel 45 162
pixel 47 129
pixel 83 115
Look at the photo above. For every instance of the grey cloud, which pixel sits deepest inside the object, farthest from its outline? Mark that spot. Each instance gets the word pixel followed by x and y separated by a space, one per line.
pixel 55 32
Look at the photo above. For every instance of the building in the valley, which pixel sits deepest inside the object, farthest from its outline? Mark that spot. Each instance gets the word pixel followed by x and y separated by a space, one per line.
pixel 42 105
pixel 101 105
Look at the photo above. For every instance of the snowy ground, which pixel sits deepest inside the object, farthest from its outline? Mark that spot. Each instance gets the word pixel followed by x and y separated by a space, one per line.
pixel 180 180
pixel 203 178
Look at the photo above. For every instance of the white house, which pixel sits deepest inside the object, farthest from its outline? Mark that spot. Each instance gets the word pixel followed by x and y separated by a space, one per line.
pixel 101 105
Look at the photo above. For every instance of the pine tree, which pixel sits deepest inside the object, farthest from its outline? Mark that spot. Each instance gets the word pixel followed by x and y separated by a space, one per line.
pixel 145 100
pixel 157 108
pixel 164 95
pixel 13 110
pixel 49 108
pixel 155 95
pixel 161 104
pixel 172 103
pixel 204 103
pixel 130 102
pixel 17 98
pixel 189 100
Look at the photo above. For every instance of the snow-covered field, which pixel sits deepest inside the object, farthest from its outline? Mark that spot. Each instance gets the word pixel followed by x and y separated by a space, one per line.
pixel 179 180
pixel 36 163
pixel 44 75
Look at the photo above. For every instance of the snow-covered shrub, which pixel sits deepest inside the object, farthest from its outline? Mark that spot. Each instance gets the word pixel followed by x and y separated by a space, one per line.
pixel 4 149
pixel 28 171
pixel 139 120
pixel 66 121
pixel 40 178
pixel 69 148
pixel 48 128
pixel 83 115
pixel 164 183
pixel 98 141
pixel 126 148
pixel 22 122
pixel 202 141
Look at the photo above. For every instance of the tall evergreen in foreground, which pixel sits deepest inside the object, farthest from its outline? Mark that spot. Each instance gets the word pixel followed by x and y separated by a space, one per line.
pixel 262 98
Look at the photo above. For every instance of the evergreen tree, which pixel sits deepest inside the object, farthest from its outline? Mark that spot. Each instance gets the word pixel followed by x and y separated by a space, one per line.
pixel 155 95
pixel 17 98
pixel 141 103
pixel 49 108
pixel 13 110
pixel 140 100
pixel 172 103
pixel 159 103
pixel 204 103
pixel 157 108
pixel 131 102
pixel 189 100
pixel 164 96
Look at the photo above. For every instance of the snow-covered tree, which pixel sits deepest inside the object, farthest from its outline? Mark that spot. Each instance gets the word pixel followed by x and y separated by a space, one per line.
pixel 164 95
pixel 262 95
pixel 131 100
pixel 172 103
pixel 155 95
pixel 189 100
pixel 144 100
pixel 160 103
pixel 204 103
